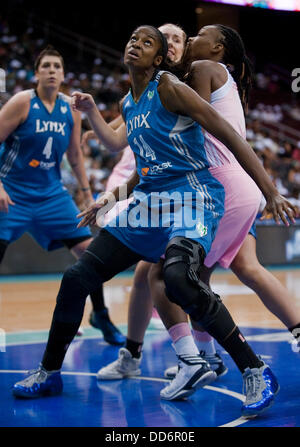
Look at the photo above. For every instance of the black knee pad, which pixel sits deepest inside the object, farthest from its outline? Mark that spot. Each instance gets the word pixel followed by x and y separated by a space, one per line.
pixel 184 259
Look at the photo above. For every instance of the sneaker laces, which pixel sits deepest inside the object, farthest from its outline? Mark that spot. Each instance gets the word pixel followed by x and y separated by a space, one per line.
pixel 123 360
pixel 38 375
pixel 252 384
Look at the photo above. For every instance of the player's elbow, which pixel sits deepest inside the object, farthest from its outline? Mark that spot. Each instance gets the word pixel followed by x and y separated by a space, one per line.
pixel 115 146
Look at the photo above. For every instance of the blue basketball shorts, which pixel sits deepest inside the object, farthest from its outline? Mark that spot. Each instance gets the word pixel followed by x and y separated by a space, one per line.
pixel 192 209
pixel 48 218
pixel 252 230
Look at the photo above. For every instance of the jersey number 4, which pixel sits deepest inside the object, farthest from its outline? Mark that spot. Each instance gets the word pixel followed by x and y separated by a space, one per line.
pixel 48 148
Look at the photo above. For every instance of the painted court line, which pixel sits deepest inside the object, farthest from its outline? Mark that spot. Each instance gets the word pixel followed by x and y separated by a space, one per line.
pixel 234 423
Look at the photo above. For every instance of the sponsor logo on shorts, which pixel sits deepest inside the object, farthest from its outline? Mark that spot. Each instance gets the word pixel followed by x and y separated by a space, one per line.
pixel 202 230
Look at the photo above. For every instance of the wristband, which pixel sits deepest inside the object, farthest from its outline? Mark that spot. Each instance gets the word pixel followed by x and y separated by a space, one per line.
pixel 85 189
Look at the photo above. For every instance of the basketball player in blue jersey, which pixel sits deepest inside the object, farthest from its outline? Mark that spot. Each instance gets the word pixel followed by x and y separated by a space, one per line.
pixel 162 113
pixel 37 127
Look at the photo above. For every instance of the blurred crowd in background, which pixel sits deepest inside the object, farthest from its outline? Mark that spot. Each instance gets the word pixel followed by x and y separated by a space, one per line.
pixel 272 120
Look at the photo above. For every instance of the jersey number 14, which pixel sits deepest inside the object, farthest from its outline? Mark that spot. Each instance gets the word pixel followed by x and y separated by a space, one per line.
pixel 145 150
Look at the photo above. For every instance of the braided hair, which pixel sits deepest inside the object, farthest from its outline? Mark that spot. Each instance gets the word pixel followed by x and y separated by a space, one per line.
pixel 240 65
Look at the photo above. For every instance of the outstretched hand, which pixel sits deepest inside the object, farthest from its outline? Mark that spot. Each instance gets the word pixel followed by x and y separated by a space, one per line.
pixel 82 102
pixel 280 208
pixel 89 216
pixel 5 200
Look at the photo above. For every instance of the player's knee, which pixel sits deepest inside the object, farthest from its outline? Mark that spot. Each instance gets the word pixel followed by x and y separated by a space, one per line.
pixel 141 274
pixel 72 275
pixel 175 278
pixel 155 272
pixel 82 276
pixel 77 283
pixel 184 259
pixel 247 272
pixel 190 296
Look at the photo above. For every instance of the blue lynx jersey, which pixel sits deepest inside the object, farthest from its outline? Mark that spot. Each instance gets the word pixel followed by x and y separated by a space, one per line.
pixel 168 146
pixel 31 155
pixel 177 195
pixel 30 171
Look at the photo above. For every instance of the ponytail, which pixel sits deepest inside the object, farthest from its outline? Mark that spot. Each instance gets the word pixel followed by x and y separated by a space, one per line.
pixel 238 62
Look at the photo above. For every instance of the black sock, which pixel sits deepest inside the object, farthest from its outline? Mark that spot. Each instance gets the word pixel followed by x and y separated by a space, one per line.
pixel 240 351
pixel 60 337
pixel 97 299
pixel 228 335
pixel 134 347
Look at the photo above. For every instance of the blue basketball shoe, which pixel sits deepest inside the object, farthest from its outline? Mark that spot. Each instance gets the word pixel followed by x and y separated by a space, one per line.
pixel 260 387
pixel 39 383
pixel 111 334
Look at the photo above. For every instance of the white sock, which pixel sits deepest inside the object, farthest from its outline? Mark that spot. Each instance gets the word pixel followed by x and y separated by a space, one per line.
pixel 208 347
pixel 185 346
pixel 204 342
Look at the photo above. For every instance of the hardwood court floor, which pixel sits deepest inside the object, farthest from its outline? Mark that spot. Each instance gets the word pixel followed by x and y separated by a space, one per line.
pixel 26 309
pixel 27 303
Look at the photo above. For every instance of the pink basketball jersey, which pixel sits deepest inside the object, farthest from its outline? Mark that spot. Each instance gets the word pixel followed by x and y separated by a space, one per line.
pixel 227 102
pixel 125 167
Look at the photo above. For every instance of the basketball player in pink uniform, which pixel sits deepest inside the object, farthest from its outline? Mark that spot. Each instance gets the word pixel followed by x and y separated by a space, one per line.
pixel 219 47
pixel 213 81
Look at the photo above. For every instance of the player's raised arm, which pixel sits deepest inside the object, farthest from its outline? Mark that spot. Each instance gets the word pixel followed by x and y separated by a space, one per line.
pixel 179 98
pixel 114 140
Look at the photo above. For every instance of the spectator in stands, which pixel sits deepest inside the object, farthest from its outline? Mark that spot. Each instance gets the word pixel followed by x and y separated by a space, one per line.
pixel 285 151
pixel 296 152
pixel 294 176
pixel 108 85
pixel 294 112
